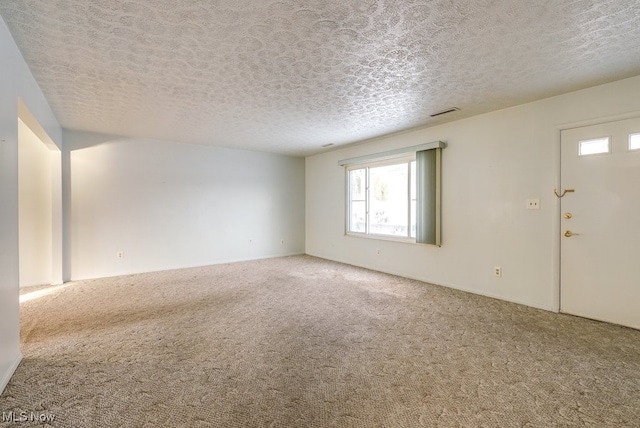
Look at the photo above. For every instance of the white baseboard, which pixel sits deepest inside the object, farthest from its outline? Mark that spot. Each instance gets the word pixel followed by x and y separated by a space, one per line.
pixel 447 285
pixel 187 266
pixel 6 376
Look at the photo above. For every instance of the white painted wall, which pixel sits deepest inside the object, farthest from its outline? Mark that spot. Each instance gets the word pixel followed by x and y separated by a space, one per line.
pixel 35 217
pixel 494 162
pixel 168 205
pixel 16 82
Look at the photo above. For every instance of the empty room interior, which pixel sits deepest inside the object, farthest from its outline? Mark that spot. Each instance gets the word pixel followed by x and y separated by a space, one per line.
pixel 360 213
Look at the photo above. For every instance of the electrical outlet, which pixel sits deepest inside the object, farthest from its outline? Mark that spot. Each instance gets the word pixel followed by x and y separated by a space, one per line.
pixel 497 271
pixel 378 251
pixel 533 204
pixel 282 242
pixel 120 255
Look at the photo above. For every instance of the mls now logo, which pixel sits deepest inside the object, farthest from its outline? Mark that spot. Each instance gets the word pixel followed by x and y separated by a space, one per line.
pixel 27 417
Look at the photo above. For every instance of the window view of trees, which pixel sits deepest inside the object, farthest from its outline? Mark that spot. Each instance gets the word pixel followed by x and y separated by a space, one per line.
pixel 382 199
pixel 397 194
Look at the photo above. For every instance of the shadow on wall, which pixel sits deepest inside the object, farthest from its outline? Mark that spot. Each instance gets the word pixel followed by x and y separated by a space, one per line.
pixel 76 140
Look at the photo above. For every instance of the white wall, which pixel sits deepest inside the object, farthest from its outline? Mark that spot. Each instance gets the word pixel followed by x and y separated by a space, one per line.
pixel 168 205
pixel 16 82
pixel 494 162
pixel 35 217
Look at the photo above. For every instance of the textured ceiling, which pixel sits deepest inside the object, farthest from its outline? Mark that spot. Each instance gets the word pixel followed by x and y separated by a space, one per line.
pixel 291 76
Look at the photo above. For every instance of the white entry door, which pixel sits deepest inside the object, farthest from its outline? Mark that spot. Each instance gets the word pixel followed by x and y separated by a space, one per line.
pixel 600 220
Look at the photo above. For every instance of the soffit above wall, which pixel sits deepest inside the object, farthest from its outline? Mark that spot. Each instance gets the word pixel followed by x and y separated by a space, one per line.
pixel 290 76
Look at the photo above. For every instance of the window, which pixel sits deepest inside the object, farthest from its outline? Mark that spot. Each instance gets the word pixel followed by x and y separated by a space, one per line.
pixel 395 194
pixel 634 141
pixel 358 201
pixel 380 198
pixel 594 147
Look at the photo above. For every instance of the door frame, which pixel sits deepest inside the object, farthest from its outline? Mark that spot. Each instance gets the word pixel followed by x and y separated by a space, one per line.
pixel 557 166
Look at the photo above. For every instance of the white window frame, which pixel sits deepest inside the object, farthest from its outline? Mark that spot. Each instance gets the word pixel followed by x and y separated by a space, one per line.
pixel 406 159
pixel 592 140
pixel 428 158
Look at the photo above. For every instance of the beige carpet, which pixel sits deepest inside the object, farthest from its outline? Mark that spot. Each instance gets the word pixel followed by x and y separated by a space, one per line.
pixel 303 342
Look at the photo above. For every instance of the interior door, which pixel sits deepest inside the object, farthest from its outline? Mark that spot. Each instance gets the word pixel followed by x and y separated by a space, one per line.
pixel 600 220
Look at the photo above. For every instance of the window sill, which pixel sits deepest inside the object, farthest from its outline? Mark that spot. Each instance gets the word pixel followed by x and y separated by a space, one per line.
pixel 389 238
pixel 381 237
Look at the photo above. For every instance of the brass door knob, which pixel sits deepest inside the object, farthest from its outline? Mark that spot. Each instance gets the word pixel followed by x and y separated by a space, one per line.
pixel 569 234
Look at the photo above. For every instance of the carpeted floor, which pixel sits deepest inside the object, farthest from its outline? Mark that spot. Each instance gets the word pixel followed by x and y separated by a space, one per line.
pixel 304 342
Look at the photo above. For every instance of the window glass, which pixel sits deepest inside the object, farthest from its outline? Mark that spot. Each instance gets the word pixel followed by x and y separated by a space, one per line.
pixel 413 184
pixel 634 142
pixel 358 215
pixel 388 204
pixel 593 147
pixel 357 201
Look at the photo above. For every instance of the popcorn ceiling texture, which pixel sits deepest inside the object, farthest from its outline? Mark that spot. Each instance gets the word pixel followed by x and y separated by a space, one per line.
pixel 290 76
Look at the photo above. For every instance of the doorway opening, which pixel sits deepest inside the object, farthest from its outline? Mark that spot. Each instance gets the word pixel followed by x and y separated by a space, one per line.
pixel 39 204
